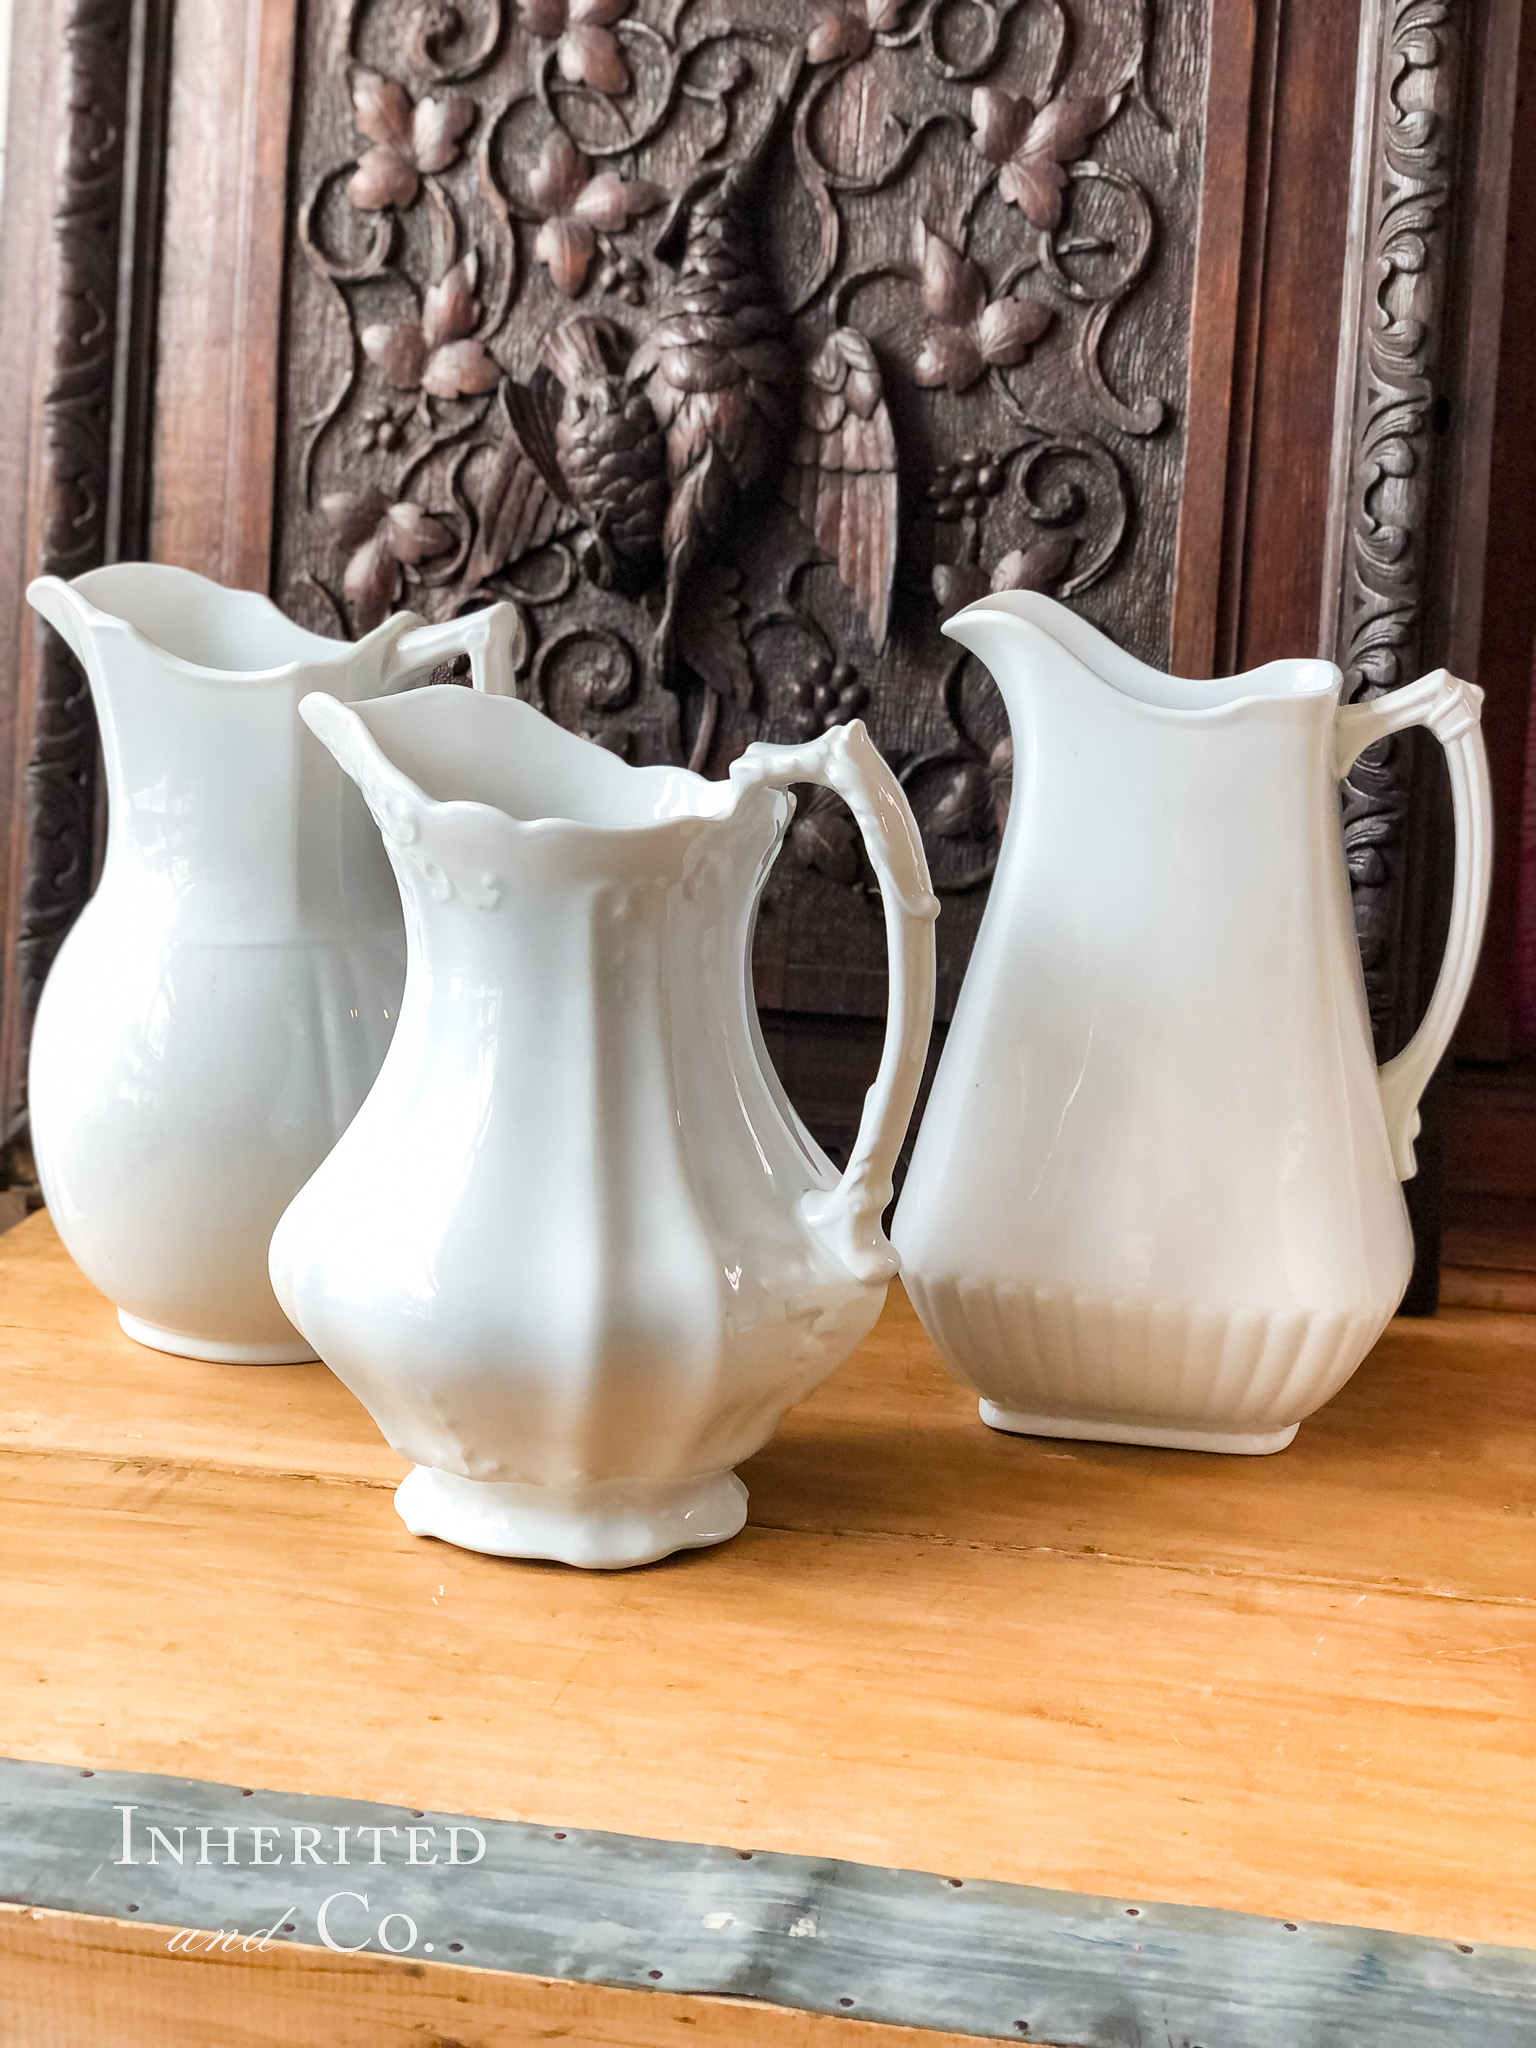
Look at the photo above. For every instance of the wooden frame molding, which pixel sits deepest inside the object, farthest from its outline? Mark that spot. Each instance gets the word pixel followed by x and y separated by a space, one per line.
pixel 85 502
pixel 216 424
pixel 1390 418
pixel 1229 263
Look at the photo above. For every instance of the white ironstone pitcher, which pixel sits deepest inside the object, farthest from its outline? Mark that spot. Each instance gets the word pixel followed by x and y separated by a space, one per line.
pixel 222 1003
pixel 577 1253
pixel 1155 1195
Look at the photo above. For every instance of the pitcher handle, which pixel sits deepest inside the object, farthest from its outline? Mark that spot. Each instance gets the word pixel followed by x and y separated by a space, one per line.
pixel 1452 710
pixel 491 637
pixel 846 760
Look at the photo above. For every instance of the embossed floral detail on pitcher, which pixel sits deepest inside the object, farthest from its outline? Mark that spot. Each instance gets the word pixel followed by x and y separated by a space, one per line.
pixel 1035 148
pixel 848 27
pixel 587 50
pixel 969 335
pixel 434 354
pixel 575 206
pixel 383 538
pixel 408 138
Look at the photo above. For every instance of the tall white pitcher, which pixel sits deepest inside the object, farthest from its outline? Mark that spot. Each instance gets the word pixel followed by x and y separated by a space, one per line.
pixel 577 1254
pixel 1155 1198
pixel 224 1000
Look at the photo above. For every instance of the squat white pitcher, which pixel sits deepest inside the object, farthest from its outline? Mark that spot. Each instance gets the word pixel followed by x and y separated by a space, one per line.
pixel 223 1001
pixel 1155 1195
pixel 577 1254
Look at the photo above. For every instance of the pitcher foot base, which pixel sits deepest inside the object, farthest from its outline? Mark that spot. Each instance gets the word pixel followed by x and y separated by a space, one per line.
pixel 604 1527
pixel 1257 1444
pixel 183 1345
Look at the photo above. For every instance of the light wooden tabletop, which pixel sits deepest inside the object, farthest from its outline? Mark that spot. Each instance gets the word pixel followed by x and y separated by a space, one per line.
pixel 1302 1686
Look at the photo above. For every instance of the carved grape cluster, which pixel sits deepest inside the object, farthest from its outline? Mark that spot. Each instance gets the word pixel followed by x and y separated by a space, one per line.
pixel 828 693
pixel 963 488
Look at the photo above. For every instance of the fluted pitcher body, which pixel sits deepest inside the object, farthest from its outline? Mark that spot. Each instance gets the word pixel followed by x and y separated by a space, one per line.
pixel 1155 1198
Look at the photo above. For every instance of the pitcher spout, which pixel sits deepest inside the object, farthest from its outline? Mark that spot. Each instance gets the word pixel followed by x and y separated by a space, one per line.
pixel 69 614
pixel 985 630
pixel 1012 631
pixel 1021 634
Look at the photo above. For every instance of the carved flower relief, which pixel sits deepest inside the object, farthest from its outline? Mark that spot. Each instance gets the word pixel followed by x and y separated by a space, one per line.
pixel 587 50
pixel 848 27
pixel 968 334
pixel 1034 148
pixel 575 206
pixel 434 354
pixel 408 138
pixel 382 538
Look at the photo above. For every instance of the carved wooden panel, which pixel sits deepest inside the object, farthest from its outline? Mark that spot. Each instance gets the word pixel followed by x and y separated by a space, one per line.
pixel 736 343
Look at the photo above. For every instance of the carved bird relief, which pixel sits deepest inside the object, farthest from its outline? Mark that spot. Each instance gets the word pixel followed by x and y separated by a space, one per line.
pixel 717 366
pixel 593 436
pixel 657 457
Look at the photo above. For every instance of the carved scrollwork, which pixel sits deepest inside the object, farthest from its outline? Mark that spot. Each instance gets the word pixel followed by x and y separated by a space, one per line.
pixel 60 785
pixel 636 332
pixel 583 673
pixel 1405 155
pixel 448 41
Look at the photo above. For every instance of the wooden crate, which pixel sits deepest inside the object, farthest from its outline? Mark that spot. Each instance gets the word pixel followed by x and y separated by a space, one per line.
pixel 1299 1691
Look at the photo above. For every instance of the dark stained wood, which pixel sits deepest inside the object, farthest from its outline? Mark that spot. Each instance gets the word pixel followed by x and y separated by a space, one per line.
pixel 82 218
pixel 1408 509
pixel 1270 606
pixel 25 262
pixel 216 431
pixel 1233 207
pixel 827 1063
pixel 1505 623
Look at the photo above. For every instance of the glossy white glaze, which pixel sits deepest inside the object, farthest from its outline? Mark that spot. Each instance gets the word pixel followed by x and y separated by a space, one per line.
pixel 1155 1195
pixel 577 1254
pixel 223 1002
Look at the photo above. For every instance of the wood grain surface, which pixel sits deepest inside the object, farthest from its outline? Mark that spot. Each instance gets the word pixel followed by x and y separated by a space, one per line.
pixel 1300 1686
pixel 71 1979
pixel 216 400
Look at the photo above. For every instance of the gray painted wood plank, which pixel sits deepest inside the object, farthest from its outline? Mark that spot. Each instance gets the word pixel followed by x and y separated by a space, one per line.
pixel 911 1948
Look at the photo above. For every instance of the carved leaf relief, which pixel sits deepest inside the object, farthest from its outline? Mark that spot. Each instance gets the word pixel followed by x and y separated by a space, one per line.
pixel 406 139
pixel 1034 149
pixel 575 204
pixel 435 354
pixel 586 48
pixel 382 540
pixel 847 29
pixel 969 333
